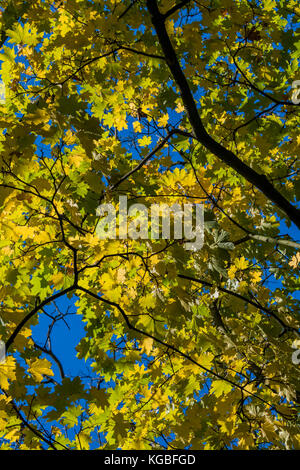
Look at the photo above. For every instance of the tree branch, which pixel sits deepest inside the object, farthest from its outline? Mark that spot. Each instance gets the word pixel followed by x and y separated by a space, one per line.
pixel 160 145
pixel 168 346
pixel 29 426
pixel 229 158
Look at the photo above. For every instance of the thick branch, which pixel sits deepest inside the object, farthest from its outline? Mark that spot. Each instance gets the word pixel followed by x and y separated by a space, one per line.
pixel 229 158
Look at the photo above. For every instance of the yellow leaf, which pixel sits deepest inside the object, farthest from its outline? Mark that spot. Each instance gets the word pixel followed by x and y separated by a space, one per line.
pixel 137 126
pixel 7 371
pixel 12 435
pixel 163 121
pixel 40 367
pixel 205 359
pixel 256 276
pixel 220 387
pixel 146 140
pixel 241 263
pixel 57 278
pixel 148 301
pixel 121 275
pixel 147 345
pixel 83 440
pixel 231 272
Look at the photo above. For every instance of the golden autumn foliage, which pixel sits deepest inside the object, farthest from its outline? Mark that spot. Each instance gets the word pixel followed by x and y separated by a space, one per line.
pixel 166 102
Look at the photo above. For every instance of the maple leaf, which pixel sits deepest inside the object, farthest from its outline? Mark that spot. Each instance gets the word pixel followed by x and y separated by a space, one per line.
pixel 40 367
pixel 295 260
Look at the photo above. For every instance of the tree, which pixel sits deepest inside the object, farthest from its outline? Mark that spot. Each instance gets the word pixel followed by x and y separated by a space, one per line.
pixel 164 102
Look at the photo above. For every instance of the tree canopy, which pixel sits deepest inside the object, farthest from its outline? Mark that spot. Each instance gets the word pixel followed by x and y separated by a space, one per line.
pixel 165 102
